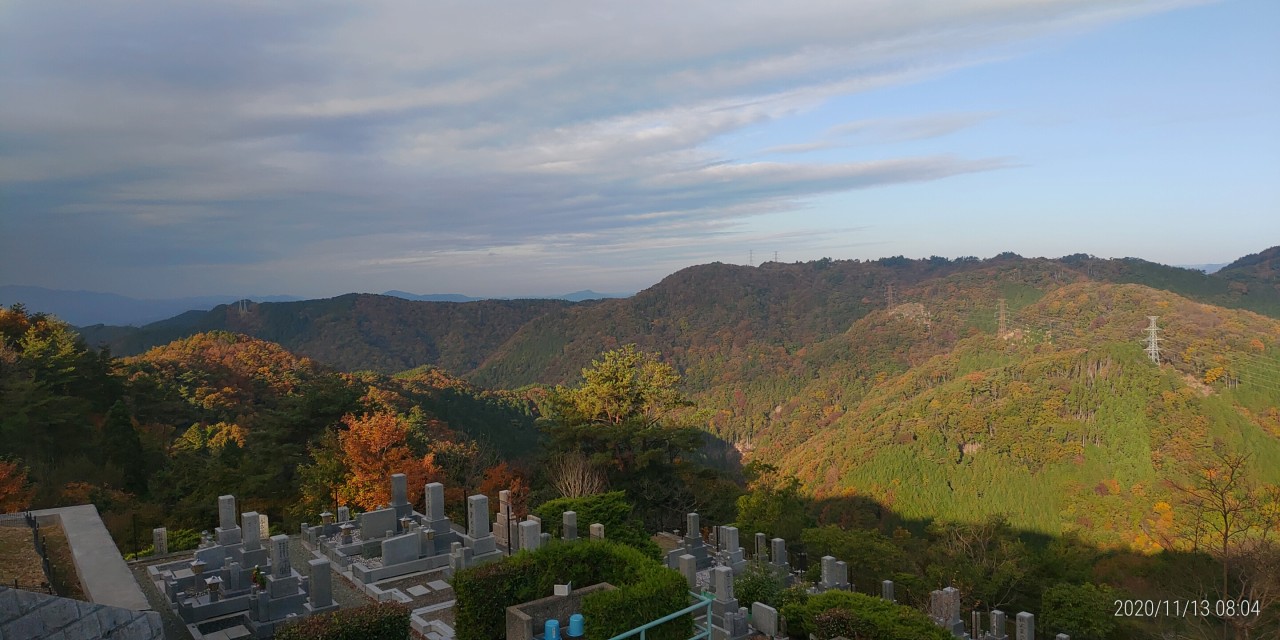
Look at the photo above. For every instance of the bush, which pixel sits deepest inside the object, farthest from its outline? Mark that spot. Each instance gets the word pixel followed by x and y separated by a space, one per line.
pixel 610 509
pixel 758 584
pixel 860 616
pixel 381 621
pixel 646 590
pixel 1084 612
pixel 179 540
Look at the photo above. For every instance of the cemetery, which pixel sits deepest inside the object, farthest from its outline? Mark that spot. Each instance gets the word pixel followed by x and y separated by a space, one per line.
pixel 506 577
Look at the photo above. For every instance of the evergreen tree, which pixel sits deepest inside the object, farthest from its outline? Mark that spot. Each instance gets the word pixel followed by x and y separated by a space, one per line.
pixel 123 447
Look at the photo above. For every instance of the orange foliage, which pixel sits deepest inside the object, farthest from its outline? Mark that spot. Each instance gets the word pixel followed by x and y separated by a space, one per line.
pixel 502 476
pixel 375 447
pixel 15 494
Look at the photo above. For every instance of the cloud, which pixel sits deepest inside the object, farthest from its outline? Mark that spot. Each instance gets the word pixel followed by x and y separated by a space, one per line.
pixel 270 132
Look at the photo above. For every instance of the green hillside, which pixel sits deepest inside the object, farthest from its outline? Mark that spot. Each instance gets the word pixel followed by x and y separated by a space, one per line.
pixel 1063 423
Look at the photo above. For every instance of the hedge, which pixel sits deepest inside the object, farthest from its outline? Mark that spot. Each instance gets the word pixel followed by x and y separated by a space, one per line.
pixel 610 509
pixel 646 590
pixel 860 616
pixel 381 621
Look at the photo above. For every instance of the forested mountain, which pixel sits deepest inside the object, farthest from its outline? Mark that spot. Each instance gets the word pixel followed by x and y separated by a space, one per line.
pixel 352 332
pixel 700 310
pixel 160 435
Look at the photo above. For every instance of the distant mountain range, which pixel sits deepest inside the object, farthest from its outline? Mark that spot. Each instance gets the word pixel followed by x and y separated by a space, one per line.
pixel 84 308
pixel 92 307
pixel 1207 268
pixel 576 296
pixel 695 311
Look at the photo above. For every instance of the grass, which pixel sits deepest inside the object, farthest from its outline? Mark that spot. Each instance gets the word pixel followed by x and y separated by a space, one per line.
pixel 18 558
pixel 65 579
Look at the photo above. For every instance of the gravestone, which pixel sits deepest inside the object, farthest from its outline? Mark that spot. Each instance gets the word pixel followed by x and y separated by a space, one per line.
pixel 252 531
pixel 400 495
pixel 692 544
pixel 227 533
pixel 828 572
pixel 762 547
pixel 951 602
pixel 886 590
pixel 732 552
pixel 478 516
pixel 1026 626
pixel 531 535
pixel 227 512
pixel 722 582
pixel 999 626
pixel 570 525
pixel 344 514
pixel 689 569
pixel 264 527
pixel 765 619
pixel 725 606
pixel 160 541
pixel 778 552
pixel 502 525
pixel 280 566
pixel 402 548
pixel 376 524
pixel 597 531
pixel 433 501
pixel 321 588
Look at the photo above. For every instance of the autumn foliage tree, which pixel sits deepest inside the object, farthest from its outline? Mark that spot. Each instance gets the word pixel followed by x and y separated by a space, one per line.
pixel 376 446
pixel 503 476
pixel 15 494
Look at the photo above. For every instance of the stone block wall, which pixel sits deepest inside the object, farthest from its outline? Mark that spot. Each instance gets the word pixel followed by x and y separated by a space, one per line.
pixel 24 614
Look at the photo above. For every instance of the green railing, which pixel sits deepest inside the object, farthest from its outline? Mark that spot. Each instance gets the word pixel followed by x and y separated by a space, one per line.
pixel 703 604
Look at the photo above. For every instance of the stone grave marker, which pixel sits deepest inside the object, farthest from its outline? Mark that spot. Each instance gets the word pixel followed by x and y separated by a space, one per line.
pixel 1026 626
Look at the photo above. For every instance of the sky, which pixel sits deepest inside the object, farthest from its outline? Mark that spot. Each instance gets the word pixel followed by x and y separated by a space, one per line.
pixel 159 149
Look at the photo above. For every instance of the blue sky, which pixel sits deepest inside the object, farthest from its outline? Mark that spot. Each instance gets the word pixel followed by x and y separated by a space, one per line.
pixel 158 149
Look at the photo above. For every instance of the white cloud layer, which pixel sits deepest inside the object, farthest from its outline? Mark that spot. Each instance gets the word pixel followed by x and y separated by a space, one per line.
pixel 430 138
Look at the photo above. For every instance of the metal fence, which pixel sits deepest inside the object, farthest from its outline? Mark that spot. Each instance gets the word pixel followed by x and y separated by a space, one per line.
pixel 38 540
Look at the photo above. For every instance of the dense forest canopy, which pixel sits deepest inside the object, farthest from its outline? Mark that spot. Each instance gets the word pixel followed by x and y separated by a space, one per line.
pixel 998 425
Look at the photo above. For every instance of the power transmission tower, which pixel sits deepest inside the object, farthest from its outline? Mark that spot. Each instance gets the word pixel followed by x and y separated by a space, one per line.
pixel 1002 319
pixel 751 257
pixel 775 256
pixel 1153 341
pixel 889 296
pixel 244 307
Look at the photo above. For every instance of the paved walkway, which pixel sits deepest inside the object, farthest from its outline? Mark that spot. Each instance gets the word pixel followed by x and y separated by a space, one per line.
pixel 103 573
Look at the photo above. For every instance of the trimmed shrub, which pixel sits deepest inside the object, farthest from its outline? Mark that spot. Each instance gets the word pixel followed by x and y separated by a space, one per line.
pixel 381 621
pixel 610 509
pixel 646 590
pixel 860 616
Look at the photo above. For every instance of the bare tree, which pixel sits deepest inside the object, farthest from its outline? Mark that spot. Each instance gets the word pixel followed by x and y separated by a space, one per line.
pixel 575 476
pixel 1238 525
